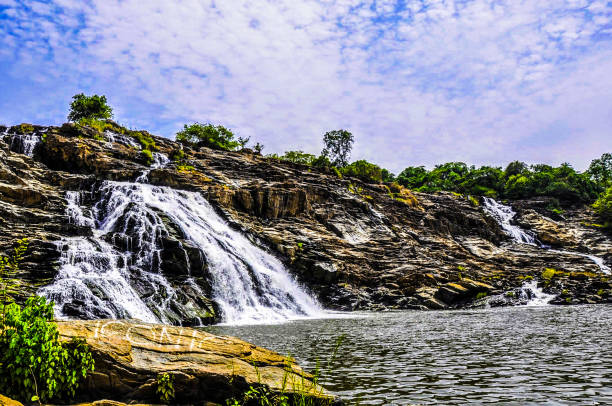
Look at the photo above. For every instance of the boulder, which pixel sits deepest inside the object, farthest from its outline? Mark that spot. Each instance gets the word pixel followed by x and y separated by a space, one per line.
pixel 130 355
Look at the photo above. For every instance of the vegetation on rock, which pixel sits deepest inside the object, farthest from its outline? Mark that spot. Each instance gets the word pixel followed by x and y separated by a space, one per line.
pixel 208 135
pixel 34 364
pixel 603 207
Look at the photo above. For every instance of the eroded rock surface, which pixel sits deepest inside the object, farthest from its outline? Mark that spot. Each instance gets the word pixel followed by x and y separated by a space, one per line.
pixel 129 356
pixel 354 245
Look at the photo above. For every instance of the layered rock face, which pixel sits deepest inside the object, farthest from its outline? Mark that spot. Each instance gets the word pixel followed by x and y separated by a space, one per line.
pixel 354 245
pixel 130 356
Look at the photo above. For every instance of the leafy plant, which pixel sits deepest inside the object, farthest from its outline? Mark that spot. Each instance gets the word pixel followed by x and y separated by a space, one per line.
pixel 363 170
pixel 34 364
pixel 165 387
pixel 89 107
pixel 548 273
pixel 9 266
pixel 603 207
pixel 208 135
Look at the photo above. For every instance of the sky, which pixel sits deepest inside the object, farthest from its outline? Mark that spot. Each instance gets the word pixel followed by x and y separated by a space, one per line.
pixel 416 82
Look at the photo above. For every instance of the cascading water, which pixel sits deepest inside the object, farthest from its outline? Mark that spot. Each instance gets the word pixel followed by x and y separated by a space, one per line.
pixel 504 215
pixel 25 143
pixel 533 295
pixel 248 284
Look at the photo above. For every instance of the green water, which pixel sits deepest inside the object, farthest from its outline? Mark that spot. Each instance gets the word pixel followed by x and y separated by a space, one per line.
pixel 523 355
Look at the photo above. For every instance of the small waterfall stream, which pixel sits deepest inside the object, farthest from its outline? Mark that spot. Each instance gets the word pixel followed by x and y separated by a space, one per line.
pixel 504 216
pixel 96 279
pixel 24 143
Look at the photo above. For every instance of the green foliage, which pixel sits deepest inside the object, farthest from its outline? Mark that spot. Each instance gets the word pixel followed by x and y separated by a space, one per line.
pixel 387 176
pixel 21 129
pixel 548 273
pixel 322 162
pixel 363 170
pixel 9 266
pixel 258 148
pixel 603 207
pixel 33 361
pixel 147 156
pixel 89 107
pixel 177 155
pixel 165 387
pixel 600 170
pixel 298 157
pixel 208 135
pixel 338 145
pixel 34 364
pixel 517 181
pixel 481 295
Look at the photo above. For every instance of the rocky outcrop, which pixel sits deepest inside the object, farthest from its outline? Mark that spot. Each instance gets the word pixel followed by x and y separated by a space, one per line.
pixel 129 357
pixel 355 245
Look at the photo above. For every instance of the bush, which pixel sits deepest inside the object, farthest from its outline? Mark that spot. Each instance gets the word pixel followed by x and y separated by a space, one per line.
pixel 298 157
pixel 364 170
pixel 89 107
pixel 34 364
pixel 208 135
pixel 603 207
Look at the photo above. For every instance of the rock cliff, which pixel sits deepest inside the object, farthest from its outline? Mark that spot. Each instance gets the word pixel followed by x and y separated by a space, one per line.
pixel 354 245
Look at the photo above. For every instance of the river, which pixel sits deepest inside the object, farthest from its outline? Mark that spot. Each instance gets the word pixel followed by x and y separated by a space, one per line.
pixel 517 355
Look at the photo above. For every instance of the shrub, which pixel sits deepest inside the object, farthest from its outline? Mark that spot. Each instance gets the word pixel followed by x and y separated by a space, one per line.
pixel 363 170
pixel 34 364
pixel 338 145
pixel 21 129
pixel 208 135
pixel 603 207
pixel 165 387
pixel 298 157
pixel 89 107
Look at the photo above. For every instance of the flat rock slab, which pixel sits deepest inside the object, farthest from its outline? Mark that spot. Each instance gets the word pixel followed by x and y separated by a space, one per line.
pixel 130 355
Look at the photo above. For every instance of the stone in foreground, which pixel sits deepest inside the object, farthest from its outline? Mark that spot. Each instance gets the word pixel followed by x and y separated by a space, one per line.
pixel 130 355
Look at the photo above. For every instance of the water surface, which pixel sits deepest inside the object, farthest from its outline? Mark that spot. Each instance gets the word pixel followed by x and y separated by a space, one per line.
pixel 523 355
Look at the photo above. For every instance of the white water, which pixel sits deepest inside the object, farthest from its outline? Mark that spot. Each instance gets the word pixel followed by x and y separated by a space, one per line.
pixel 159 161
pixel 249 285
pixel 25 143
pixel 504 215
pixel 534 294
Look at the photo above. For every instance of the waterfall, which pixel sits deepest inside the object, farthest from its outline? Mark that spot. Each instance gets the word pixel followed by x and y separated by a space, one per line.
pixel 534 295
pixel 504 215
pixel 248 284
pixel 24 143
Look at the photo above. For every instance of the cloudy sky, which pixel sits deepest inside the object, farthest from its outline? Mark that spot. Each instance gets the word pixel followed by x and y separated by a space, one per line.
pixel 416 82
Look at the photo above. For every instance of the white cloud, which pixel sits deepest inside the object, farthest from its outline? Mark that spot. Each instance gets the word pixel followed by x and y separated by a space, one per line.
pixel 480 81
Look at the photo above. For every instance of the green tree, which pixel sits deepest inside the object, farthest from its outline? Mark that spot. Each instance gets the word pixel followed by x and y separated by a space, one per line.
pixel 89 107
pixel 208 135
pixel 338 146
pixel 413 177
pixel 387 176
pixel 600 170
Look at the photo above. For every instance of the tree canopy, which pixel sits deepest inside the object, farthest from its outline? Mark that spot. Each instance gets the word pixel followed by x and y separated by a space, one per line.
pixel 338 145
pixel 89 107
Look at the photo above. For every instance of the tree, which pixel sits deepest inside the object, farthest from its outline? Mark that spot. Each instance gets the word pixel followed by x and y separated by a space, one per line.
pixel 600 170
pixel 89 107
pixel 515 168
pixel 208 135
pixel 298 157
pixel 338 145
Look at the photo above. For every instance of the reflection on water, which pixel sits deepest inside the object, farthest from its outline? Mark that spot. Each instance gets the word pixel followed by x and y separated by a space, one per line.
pixel 520 355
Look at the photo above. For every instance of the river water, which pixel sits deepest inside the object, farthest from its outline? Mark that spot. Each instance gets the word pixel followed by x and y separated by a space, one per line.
pixel 519 355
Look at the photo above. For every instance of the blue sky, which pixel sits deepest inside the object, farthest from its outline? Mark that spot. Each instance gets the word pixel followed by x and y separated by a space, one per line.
pixel 417 82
